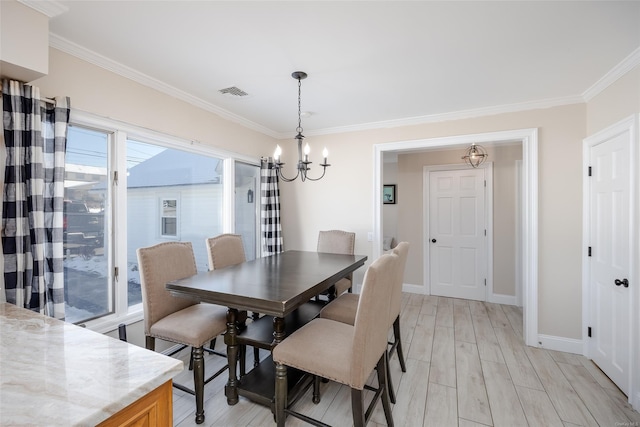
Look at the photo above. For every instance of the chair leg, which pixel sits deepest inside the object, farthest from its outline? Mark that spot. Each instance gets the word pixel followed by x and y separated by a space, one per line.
pixel 392 393
pixel 281 393
pixel 382 370
pixel 316 389
pixel 197 355
pixel 357 407
pixel 212 345
pixel 396 336
pixel 150 343
pixel 256 357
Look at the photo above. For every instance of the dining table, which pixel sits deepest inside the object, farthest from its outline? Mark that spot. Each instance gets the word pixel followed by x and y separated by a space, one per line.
pixel 282 288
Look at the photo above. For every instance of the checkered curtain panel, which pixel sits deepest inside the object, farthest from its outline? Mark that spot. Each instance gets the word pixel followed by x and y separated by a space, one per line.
pixel 35 134
pixel 270 209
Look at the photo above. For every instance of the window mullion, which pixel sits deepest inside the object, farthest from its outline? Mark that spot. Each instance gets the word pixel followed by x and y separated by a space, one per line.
pixel 119 215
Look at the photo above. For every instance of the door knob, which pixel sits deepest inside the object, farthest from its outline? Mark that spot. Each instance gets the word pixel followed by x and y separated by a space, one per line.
pixel 433 240
pixel 623 282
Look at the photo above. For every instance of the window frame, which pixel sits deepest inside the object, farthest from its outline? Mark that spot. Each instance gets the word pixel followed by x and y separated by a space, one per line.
pixel 119 133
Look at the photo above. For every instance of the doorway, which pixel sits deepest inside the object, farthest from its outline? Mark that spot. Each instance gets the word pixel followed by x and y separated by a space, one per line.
pixel 529 250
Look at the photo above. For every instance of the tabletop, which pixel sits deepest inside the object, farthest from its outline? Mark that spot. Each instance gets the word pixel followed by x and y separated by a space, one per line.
pixel 273 285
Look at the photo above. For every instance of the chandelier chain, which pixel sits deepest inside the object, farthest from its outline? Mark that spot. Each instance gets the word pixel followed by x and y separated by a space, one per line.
pixel 299 128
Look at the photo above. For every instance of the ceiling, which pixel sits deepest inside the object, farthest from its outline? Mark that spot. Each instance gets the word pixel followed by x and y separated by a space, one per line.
pixel 370 64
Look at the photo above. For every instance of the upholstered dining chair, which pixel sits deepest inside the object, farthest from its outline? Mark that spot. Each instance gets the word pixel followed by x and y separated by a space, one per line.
pixel 226 250
pixel 338 242
pixel 360 348
pixel 175 319
pixel 343 309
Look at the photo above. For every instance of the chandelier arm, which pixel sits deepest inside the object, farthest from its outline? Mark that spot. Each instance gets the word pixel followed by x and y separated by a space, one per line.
pixel 285 179
pixel 324 170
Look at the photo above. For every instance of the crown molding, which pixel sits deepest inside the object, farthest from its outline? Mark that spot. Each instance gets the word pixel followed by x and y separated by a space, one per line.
pixel 49 8
pixel 455 115
pixel 85 54
pixel 626 65
pixel 78 51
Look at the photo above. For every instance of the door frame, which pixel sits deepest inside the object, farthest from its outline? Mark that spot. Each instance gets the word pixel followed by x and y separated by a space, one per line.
pixel 488 213
pixel 529 140
pixel 630 125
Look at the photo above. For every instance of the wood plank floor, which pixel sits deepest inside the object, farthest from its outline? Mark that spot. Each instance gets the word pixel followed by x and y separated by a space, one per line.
pixel 467 365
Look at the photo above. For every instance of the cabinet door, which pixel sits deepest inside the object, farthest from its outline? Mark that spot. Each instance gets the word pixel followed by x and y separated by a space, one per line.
pixel 153 410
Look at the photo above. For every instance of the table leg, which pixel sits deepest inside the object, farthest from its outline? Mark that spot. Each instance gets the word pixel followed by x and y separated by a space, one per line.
pixel 231 340
pixel 281 374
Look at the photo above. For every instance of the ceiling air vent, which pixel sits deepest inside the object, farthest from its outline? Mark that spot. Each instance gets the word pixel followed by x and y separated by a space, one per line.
pixel 233 91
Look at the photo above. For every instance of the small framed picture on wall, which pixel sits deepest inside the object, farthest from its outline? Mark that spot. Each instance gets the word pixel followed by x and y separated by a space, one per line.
pixel 389 194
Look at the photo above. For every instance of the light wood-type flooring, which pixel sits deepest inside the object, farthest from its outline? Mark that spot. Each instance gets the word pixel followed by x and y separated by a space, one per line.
pixel 467 365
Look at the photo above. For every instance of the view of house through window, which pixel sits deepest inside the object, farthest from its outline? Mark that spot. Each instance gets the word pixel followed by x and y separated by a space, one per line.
pixel 171 195
pixel 87 287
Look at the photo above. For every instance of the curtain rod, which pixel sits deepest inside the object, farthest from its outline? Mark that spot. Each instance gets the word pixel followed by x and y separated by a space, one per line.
pixel 47 100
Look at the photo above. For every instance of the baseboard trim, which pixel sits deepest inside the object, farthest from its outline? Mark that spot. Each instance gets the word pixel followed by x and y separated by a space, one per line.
pixel 413 289
pixel 568 345
pixel 503 299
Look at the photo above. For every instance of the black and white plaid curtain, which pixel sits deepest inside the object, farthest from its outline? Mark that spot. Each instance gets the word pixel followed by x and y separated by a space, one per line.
pixel 271 230
pixel 35 134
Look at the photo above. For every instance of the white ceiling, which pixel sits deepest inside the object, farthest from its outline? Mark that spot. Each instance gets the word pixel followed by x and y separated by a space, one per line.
pixel 370 63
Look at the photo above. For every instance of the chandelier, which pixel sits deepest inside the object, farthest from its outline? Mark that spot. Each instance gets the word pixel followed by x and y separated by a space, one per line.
pixel 475 155
pixel 303 161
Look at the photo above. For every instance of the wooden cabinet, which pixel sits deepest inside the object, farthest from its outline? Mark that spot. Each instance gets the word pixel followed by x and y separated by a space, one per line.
pixel 153 410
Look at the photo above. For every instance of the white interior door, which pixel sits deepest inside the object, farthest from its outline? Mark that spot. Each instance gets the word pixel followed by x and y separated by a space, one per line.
pixel 457 233
pixel 610 260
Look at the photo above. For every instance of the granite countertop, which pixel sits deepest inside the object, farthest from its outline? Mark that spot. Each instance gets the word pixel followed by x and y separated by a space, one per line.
pixel 57 374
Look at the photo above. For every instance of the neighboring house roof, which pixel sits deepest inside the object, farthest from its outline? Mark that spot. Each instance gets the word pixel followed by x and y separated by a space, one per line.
pixel 173 167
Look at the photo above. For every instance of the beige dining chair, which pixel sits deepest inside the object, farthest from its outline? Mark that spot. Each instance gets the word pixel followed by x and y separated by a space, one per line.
pixel 360 348
pixel 224 251
pixel 343 309
pixel 175 319
pixel 338 242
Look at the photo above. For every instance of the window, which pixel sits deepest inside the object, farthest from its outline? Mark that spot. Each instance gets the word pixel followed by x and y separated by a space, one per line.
pixel 126 188
pixel 169 218
pixel 87 289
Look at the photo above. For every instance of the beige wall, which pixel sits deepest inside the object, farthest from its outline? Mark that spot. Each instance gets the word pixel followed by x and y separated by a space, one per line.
pixel 96 90
pixel 344 199
pixel 615 103
pixel 410 216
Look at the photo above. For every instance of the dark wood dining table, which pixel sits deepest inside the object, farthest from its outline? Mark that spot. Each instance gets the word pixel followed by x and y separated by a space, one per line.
pixel 277 286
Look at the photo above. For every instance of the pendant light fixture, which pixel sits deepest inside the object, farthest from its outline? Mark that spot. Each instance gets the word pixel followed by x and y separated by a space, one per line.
pixel 303 161
pixel 475 155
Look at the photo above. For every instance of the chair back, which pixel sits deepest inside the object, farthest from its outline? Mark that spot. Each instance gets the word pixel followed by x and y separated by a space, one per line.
pixel 336 242
pixel 371 322
pixel 225 250
pixel 158 265
pixel 402 250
